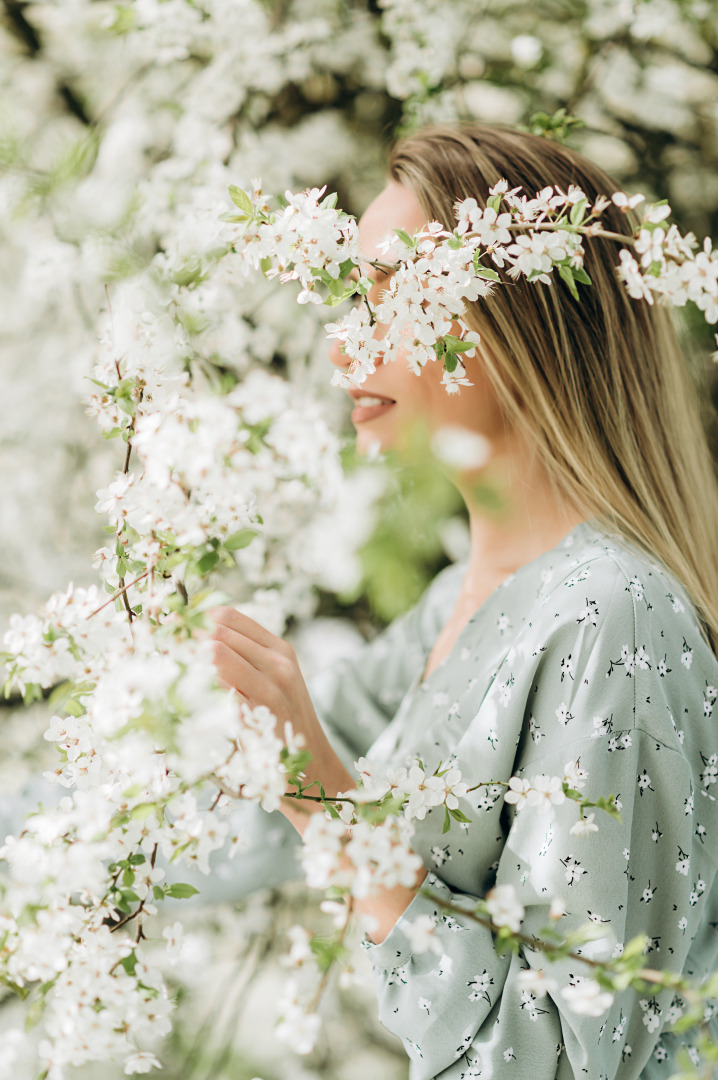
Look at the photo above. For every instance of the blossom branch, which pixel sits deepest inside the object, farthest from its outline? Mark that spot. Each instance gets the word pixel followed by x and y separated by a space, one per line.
pixel 118 593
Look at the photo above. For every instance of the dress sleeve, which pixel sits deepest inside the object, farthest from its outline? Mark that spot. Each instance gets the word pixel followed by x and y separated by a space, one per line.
pixel 356 698
pixel 464 1011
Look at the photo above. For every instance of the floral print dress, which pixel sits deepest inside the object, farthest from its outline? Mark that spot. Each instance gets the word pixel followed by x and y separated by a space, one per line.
pixel 590 654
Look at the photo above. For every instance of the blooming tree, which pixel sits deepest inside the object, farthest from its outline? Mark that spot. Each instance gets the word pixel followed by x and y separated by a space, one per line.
pixel 145 727
pixel 126 125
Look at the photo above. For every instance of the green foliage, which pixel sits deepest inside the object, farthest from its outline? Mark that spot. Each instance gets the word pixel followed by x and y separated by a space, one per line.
pixel 181 891
pixel 327 952
pixel 557 126
pixel 405 551
pixel 241 199
pixel 457 815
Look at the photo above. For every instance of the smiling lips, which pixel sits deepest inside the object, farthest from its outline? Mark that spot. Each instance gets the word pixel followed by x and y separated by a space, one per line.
pixel 369 406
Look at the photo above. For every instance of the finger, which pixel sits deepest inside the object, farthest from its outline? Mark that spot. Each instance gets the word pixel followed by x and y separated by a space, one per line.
pixel 238 673
pixel 258 656
pixel 228 686
pixel 229 616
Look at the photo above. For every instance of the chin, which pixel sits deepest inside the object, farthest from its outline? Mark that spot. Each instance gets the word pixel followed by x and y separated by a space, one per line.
pixel 369 443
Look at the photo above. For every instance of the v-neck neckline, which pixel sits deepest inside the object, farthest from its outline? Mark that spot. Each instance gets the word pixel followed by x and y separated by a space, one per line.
pixel 421 681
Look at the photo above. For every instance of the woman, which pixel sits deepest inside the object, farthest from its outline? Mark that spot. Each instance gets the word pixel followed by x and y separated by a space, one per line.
pixel 582 630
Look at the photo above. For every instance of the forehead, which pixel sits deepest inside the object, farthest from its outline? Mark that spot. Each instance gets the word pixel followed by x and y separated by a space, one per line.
pixel 396 207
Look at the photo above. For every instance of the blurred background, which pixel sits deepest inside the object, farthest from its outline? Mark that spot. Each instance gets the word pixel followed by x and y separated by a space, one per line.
pixel 121 125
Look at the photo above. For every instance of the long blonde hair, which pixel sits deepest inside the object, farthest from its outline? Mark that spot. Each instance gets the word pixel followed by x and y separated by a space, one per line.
pixel 612 411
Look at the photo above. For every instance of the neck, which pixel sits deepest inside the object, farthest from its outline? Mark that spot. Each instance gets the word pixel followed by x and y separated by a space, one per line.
pixel 534 520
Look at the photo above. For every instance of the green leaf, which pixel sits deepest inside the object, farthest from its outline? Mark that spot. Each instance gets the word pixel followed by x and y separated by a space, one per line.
pixel 207 562
pixel 327 952
pixel 567 275
pixel 450 361
pixel 457 345
pixel 240 539
pixel 494 202
pixel 447 820
pixel 125 19
pixel 557 127
pixel 181 891
pixel 241 199
pixel 609 807
pixel 21 991
pixel 577 211
pixel 233 219
pixel 580 275
pixel 126 403
pixel 265 263
pixel 403 235
pixel 346 267
pixel 329 201
pixel 459 815
pixel 142 810
pixel 486 272
pixel 128 878
pixel 322 275
pixel 295 764
pixel 337 288
pixel 129 963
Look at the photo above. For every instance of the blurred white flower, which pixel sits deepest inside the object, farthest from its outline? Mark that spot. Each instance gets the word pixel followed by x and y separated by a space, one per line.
pixel 460 448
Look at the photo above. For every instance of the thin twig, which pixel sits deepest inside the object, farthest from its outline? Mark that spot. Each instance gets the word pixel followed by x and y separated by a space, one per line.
pixel 320 798
pixel 515 226
pixel 649 975
pixel 118 593
pixel 128 918
pixel 325 977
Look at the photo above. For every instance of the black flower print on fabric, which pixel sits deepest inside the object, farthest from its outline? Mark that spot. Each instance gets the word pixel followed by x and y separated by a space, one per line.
pixel 590 653
pixel 479 987
pixel 589 613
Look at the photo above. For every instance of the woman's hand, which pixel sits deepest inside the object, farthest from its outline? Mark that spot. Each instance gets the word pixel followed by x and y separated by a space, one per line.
pixel 264 670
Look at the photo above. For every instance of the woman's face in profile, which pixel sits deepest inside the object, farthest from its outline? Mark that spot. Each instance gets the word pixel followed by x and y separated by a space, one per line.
pixel 409 399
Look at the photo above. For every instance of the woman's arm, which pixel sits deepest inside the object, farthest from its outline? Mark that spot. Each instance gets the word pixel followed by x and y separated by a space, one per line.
pixel 264 669
pixel 465 1006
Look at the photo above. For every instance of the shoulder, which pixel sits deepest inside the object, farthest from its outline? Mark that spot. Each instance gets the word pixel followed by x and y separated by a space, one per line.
pixel 617 644
pixel 614 585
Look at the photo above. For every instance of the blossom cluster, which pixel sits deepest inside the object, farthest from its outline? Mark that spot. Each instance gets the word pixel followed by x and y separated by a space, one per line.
pixel 144 736
pixel 441 270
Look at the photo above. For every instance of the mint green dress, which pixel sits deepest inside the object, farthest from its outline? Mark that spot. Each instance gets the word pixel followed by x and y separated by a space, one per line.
pixel 591 654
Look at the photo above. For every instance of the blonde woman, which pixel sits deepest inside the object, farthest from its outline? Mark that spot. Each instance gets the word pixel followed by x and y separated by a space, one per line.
pixel 580 635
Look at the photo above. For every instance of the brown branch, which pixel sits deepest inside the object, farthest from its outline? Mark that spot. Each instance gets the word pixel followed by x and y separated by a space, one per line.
pixel 118 593
pixel 320 798
pixel 128 918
